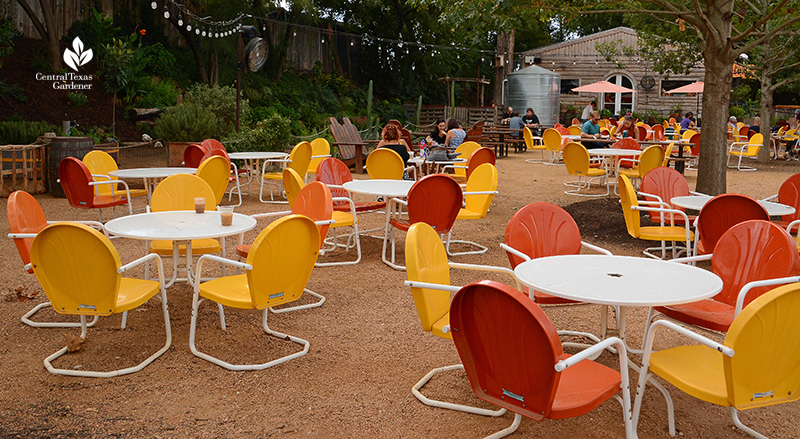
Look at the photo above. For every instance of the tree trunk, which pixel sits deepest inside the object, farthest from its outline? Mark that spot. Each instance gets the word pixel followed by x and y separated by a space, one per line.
pixel 52 38
pixel 193 46
pixel 718 58
pixel 766 116
pixel 505 47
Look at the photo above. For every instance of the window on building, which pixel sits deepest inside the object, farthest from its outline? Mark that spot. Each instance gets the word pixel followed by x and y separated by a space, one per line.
pixel 568 84
pixel 671 85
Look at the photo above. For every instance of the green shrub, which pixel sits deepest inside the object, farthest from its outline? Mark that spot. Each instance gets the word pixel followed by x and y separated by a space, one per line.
pixel 186 123
pixel 160 61
pixel 98 134
pixel 12 91
pixel 24 133
pixel 77 99
pixel 271 134
pixel 737 111
pixel 157 93
pixel 221 101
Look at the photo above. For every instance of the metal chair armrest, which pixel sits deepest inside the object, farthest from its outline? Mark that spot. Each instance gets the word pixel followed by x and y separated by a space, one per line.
pixel 592 350
pixel 514 251
pixel 596 248
pixel 760 283
pixel 688 259
pixel 490 268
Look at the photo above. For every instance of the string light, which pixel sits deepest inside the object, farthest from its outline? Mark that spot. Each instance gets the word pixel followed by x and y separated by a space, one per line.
pixel 180 19
pixel 166 11
pixel 154 5
pixel 189 27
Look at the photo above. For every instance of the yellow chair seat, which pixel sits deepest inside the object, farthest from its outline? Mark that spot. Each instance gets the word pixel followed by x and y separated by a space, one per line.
pixel 231 291
pixel 138 192
pixel 135 292
pixel 595 172
pixel 437 327
pixel 751 152
pixel 274 175
pixel 199 246
pixel 666 233
pixel 696 370
pixel 631 173
pixel 342 219
pixel 468 214
pixel 459 177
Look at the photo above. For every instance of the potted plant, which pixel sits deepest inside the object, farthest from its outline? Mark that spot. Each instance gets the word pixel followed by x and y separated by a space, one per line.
pixel 183 125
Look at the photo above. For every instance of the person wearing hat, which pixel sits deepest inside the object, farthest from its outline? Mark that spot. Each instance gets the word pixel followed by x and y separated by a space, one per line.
pixel 732 125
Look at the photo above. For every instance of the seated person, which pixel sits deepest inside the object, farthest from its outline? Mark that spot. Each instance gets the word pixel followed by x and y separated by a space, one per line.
pixel 756 126
pixel 627 129
pixel 390 138
pixel 688 122
pixel 507 115
pixel 439 133
pixel 591 130
pixel 455 134
pixel 531 121
pixel 732 125
pixel 515 123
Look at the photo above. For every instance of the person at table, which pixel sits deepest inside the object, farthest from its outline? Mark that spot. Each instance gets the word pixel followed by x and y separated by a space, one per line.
pixel 439 133
pixel 756 126
pixel 627 129
pixel 688 122
pixel 455 134
pixel 515 123
pixel 390 138
pixel 591 130
pixel 651 121
pixel 587 111
pixel 531 120
pixel 507 115
pixel 732 124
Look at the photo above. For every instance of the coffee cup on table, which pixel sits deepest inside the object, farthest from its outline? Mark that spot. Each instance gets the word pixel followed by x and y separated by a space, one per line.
pixel 199 204
pixel 226 215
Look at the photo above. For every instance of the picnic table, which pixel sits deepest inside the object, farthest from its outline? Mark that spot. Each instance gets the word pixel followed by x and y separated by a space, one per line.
pixel 496 137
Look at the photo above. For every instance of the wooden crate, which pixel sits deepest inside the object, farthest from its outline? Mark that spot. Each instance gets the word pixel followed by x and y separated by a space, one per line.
pixel 24 168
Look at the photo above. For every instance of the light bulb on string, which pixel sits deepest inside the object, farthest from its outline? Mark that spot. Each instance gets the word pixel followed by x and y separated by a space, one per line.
pixel 197 31
pixel 294 33
pixel 203 33
pixel 154 5
pixel 180 19
pixel 166 11
pixel 188 27
pixel 352 42
pixel 323 40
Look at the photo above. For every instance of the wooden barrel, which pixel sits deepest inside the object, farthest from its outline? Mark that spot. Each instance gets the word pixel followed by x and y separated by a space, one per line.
pixel 60 148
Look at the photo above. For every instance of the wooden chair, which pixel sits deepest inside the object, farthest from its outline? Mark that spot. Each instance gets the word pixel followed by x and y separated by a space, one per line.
pixel 350 145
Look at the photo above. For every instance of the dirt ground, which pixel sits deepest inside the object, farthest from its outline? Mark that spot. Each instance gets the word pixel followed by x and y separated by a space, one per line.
pixel 367 348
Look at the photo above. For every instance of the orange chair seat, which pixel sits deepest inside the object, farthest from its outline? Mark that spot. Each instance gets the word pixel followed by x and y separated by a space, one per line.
pixel 582 388
pixel 360 207
pixel 707 313
pixel 199 246
pixel 243 250
pixel 677 219
pixel 468 215
pixel 101 201
pixel 595 172
pixel 135 192
pixel 400 224
pixel 666 233
pixel 342 219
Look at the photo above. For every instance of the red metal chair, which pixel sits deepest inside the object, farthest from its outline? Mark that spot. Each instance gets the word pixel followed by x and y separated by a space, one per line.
pixel 78 186
pixel 642 132
pixel 514 359
pixel 234 173
pixel 720 214
pixel 658 133
pixel 478 157
pixel 334 173
pixel 435 200
pixel 627 143
pixel 750 251
pixel 193 156
pixel 562 130
pixel 661 185
pixel 212 144
pixel 789 194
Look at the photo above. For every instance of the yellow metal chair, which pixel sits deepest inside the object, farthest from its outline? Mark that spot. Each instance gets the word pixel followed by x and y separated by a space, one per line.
pixel 80 271
pixel 465 150
pixel 100 165
pixel 576 157
pixel 480 191
pixel 749 149
pixel 429 280
pixel 631 208
pixel 574 130
pixel 215 171
pixel 320 150
pixel 385 164
pixel 686 135
pixel 764 371
pixel 299 160
pixel 652 157
pixel 552 144
pixel 277 269
pixel 527 135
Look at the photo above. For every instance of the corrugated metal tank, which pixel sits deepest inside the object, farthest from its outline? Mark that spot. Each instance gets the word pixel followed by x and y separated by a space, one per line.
pixel 536 88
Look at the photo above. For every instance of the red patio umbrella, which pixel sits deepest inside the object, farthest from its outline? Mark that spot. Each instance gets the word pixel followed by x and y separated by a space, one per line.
pixel 695 87
pixel 603 87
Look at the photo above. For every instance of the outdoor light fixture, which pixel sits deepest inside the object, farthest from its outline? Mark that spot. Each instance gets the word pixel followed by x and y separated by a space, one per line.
pixel 254 56
pixel 180 19
pixel 203 33
pixel 154 5
pixel 197 31
pixel 189 27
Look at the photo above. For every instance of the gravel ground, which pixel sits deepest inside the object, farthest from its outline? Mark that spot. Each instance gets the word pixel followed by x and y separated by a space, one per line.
pixel 367 348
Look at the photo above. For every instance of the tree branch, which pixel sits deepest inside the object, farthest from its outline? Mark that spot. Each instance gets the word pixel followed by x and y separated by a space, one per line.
pixel 760 22
pixel 34 19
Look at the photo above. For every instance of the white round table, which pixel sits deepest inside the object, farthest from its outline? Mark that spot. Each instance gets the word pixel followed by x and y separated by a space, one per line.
pixel 150 175
pixel 618 280
pixel 252 163
pixel 696 202
pixel 612 156
pixel 180 227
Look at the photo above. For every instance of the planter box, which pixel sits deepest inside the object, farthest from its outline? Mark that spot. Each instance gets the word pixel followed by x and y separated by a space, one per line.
pixel 176 150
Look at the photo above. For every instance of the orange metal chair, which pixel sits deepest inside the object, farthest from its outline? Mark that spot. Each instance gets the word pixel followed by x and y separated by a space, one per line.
pixel 661 185
pixel 627 143
pixel 212 144
pixel 25 219
pixel 435 200
pixel 334 173
pixel 658 133
pixel 514 359
pixel 78 186
pixel 193 155
pixel 720 214
pixel 562 130
pixel 750 251
pixel 789 194
pixel 478 157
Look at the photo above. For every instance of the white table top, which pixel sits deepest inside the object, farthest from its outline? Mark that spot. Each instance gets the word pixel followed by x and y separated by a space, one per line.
pixel 150 172
pixel 178 225
pixel 420 160
pixel 618 280
pixel 696 202
pixel 257 155
pixel 616 152
pixel 378 188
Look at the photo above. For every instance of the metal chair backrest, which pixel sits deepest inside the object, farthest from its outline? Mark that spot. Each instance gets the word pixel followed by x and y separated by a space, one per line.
pixel 749 251
pixel 435 200
pixel 177 192
pixel 508 347
pixel 466 149
pixel 282 256
pixel 695 140
pixel 642 131
pixel 100 162
pixel 292 184
pixel 217 153
pixel 212 144
pixel 77 268
pixel 658 133
pixel 723 212
pixel 334 172
pixel 688 134
pixel 754 143
pixel 25 215
pixel 315 201
pixel 319 148
pixel 301 158
pixel 576 158
pixel 384 164
pixel 540 230
pixel 478 157
pixel 193 156
pixel 652 157
pixel 789 194
pixel 574 130
pixel 215 171
pixel 483 179
pixel 75 179
pixel 627 197
pixel 426 261
pixel 767 350
pixel 666 183
pixel 552 140
pixel 628 143
pixel 562 130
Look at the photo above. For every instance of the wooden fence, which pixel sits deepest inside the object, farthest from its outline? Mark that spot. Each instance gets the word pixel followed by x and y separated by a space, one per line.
pixel 24 167
pixel 65 12
pixel 467 115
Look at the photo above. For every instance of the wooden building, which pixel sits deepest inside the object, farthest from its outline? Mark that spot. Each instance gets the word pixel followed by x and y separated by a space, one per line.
pixel 580 63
